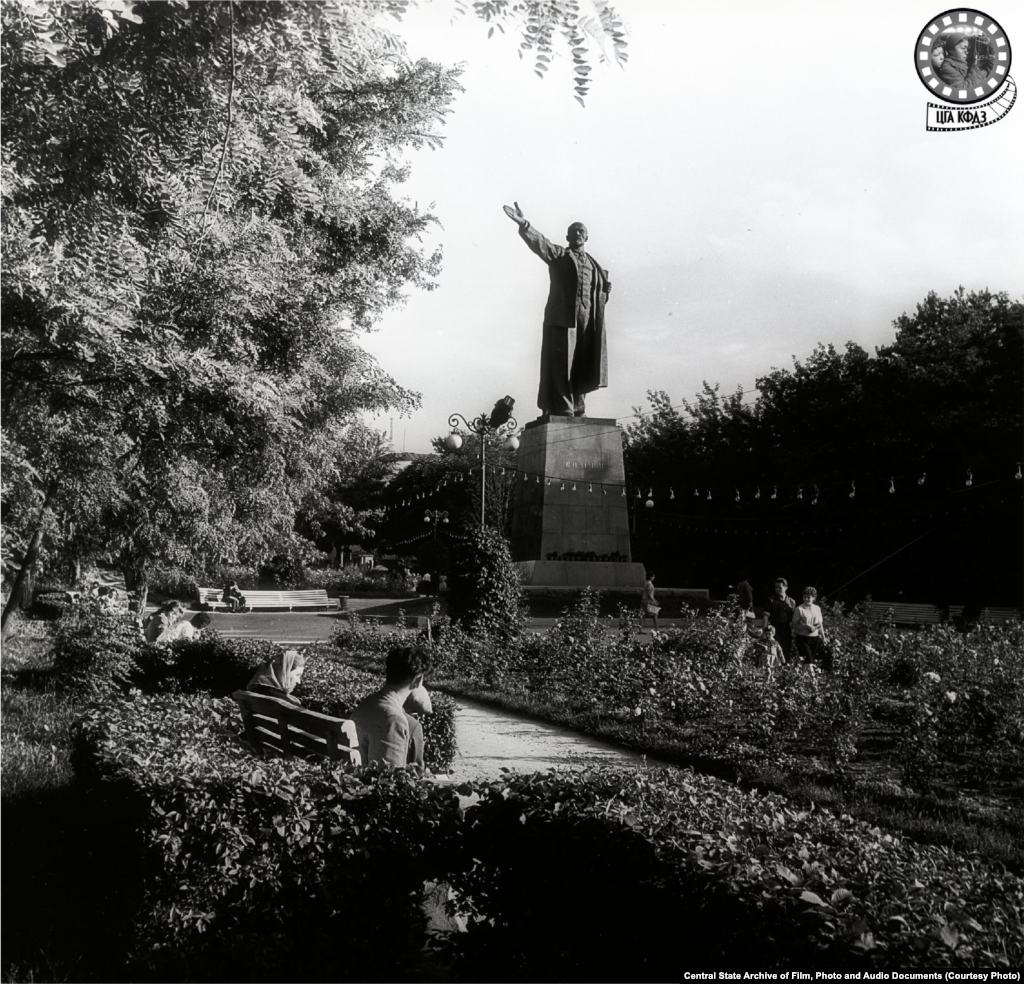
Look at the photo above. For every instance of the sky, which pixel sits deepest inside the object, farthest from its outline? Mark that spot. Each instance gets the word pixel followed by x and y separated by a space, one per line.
pixel 757 180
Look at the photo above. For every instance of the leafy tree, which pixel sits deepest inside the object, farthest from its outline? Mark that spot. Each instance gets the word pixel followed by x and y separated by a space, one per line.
pixel 200 215
pixel 943 398
pixel 449 481
pixel 347 509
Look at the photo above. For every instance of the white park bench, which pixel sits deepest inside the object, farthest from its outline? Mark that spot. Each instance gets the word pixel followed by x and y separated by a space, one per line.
pixel 210 598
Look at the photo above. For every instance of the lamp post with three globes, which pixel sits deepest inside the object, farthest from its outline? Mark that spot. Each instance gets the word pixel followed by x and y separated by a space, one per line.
pixel 500 422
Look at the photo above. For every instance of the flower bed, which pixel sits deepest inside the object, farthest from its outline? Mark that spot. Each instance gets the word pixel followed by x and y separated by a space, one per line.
pixel 921 731
pixel 947 703
pixel 687 868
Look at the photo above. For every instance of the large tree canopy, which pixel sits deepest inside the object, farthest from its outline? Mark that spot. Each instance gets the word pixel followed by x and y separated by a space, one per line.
pixel 201 212
pixel 798 477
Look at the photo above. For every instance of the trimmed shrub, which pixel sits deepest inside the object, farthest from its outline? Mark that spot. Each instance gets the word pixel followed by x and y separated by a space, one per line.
pixel 281 571
pixel 173 582
pixel 228 843
pixel 95 648
pixel 354 579
pixel 689 864
pixel 210 664
pixel 247 577
pixel 484 591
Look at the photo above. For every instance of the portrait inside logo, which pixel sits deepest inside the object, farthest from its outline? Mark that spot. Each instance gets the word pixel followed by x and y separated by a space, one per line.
pixel 962 56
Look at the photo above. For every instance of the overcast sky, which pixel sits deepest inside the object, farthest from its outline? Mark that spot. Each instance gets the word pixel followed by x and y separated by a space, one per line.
pixel 758 179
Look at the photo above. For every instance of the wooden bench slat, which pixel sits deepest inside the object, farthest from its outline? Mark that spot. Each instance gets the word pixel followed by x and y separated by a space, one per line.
pixel 906 612
pixel 309 742
pixel 284 729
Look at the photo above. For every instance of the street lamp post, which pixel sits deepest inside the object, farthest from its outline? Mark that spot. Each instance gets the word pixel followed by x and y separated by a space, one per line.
pixel 499 422
pixel 435 516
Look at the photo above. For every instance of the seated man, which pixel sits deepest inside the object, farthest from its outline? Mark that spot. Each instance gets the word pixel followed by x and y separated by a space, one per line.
pixel 386 732
pixel 232 597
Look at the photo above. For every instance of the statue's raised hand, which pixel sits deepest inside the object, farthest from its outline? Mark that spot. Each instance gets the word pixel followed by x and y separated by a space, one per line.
pixel 515 214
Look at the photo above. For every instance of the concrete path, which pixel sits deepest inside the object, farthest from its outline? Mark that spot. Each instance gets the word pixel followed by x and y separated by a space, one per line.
pixel 490 738
pixel 287 628
pixel 303 628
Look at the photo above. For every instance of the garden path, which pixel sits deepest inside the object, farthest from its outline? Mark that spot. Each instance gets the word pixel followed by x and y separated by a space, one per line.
pixel 491 739
pixel 303 628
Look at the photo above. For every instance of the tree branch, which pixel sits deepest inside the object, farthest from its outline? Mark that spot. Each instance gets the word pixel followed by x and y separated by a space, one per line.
pixel 220 165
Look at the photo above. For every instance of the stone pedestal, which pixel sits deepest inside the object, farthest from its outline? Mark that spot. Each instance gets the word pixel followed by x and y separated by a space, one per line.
pixel 571 503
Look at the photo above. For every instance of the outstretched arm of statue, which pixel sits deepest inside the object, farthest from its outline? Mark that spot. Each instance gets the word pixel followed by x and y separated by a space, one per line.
pixel 515 213
pixel 537 242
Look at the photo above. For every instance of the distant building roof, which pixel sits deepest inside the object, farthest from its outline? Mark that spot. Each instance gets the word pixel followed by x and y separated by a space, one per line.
pixel 403 459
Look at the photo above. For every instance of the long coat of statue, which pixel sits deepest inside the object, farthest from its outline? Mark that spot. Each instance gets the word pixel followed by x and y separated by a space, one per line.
pixel 574 352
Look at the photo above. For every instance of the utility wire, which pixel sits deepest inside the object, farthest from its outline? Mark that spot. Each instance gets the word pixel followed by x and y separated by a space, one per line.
pixel 882 561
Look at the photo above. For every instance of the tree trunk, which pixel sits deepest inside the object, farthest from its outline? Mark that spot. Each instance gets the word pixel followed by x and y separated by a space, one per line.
pixel 136 580
pixel 23 580
pixel 143 593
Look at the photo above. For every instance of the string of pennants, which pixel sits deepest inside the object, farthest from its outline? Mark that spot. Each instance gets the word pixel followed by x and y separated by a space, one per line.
pixel 651 495
pixel 429 534
pixel 871 518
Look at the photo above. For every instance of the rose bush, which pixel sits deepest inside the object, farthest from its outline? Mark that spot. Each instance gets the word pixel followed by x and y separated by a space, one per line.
pixel 935 700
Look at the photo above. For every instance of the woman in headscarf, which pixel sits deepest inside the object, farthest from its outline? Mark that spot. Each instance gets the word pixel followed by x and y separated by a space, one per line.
pixel 279 676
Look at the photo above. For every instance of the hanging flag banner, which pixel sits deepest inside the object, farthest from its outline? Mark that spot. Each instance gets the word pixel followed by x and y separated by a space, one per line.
pixel 963 58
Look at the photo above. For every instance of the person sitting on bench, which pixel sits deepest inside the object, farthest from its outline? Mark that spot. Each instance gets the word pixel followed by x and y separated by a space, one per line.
pixel 387 732
pixel 279 676
pixel 232 597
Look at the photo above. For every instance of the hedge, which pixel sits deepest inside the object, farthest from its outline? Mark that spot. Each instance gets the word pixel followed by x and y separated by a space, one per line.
pixel 100 651
pixel 285 870
pixel 253 869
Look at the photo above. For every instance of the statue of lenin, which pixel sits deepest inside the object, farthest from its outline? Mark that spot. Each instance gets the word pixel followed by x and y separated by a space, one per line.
pixel 574 352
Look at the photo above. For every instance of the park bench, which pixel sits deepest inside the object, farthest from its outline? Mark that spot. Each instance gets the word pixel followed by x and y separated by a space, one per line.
pixel 906 614
pixel 209 598
pixel 1001 616
pixel 280 728
pixel 990 616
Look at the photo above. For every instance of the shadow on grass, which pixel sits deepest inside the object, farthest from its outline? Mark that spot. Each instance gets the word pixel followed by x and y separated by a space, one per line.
pixel 72 888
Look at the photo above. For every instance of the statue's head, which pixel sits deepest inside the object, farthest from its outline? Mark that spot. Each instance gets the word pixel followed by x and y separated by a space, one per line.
pixel 577 235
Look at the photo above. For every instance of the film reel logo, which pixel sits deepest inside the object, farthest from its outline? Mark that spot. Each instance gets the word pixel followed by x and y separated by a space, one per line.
pixel 963 57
